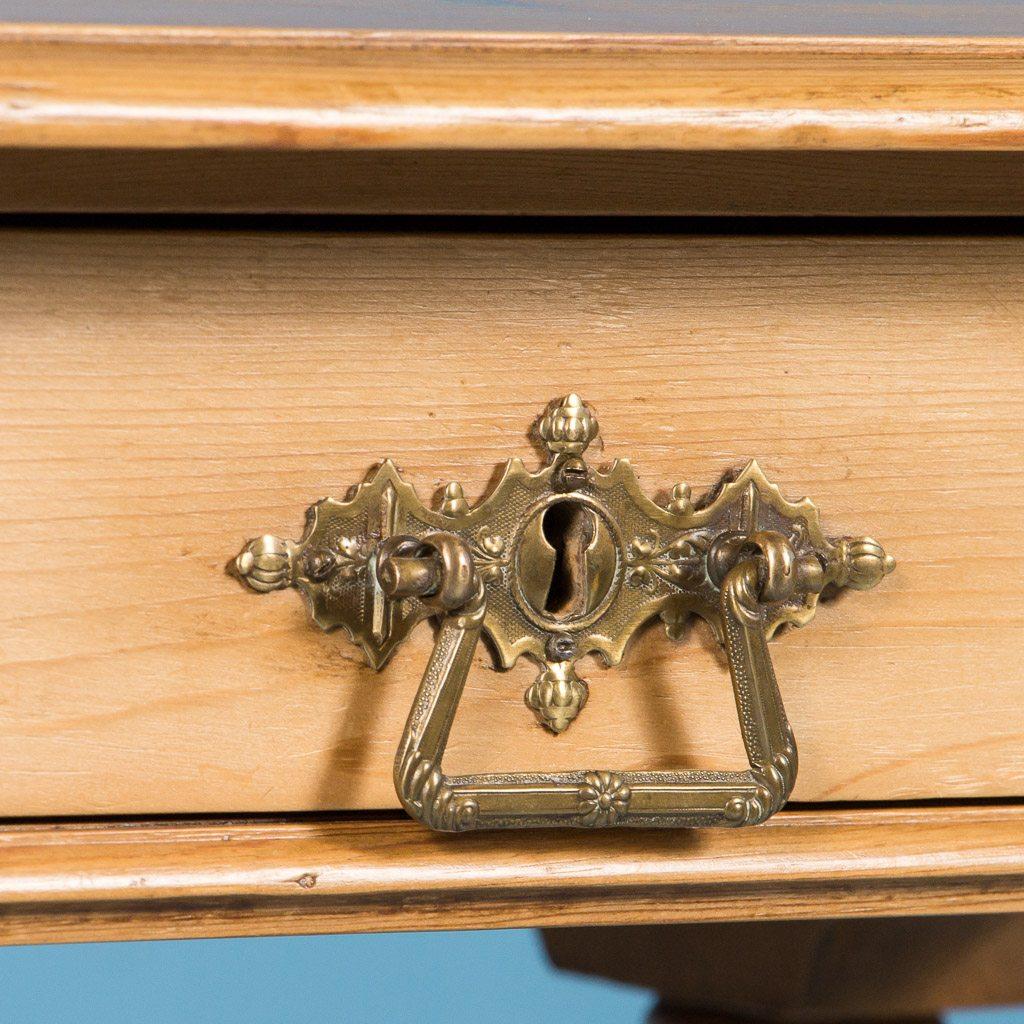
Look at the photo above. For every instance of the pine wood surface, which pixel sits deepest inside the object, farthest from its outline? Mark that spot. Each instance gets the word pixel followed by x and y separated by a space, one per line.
pixel 85 882
pixel 110 86
pixel 168 394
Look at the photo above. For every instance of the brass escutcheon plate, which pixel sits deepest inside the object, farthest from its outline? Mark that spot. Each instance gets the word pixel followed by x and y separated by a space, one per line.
pixel 571 560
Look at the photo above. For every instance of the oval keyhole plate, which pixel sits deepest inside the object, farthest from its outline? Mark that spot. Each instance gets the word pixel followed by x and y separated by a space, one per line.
pixel 566 563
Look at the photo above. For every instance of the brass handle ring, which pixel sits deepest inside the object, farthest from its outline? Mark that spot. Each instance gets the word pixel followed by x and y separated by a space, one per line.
pixel 761 566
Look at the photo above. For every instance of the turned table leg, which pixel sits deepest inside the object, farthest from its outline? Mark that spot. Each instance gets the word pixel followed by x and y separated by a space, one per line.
pixel 807 972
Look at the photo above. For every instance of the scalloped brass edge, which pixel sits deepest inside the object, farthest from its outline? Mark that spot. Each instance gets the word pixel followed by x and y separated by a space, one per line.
pixel 333 565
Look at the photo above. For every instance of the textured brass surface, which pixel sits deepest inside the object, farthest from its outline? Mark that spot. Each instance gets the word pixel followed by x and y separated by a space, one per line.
pixel 556 564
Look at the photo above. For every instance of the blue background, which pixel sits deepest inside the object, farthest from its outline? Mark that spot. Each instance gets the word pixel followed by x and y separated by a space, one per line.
pixel 477 977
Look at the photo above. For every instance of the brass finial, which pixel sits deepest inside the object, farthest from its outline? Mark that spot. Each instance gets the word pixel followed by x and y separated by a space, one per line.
pixel 863 563
pixel 265 563
pixel 568 426
pixel 454 502
pixel 557 696
pixel 680 503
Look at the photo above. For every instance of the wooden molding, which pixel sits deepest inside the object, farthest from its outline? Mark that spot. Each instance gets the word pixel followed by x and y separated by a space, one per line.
pixel 139 120
pixel 77 882
pixel 117 87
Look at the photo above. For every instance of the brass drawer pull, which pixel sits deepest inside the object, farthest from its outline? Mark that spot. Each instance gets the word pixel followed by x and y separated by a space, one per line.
pixel 554 565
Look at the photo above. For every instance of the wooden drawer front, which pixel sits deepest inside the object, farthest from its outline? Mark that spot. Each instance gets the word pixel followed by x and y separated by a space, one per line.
pixel 168 394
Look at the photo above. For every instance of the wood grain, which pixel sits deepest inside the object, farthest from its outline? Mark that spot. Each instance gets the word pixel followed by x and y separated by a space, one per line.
pixel 167 395
pixel 81 882
pixel 116 87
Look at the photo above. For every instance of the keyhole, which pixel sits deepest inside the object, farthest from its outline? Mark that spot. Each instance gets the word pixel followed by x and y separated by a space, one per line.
pixel 569 528
pixel 566 563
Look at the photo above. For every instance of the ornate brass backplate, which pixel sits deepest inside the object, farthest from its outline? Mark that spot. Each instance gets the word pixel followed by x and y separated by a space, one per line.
pixel 556 564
